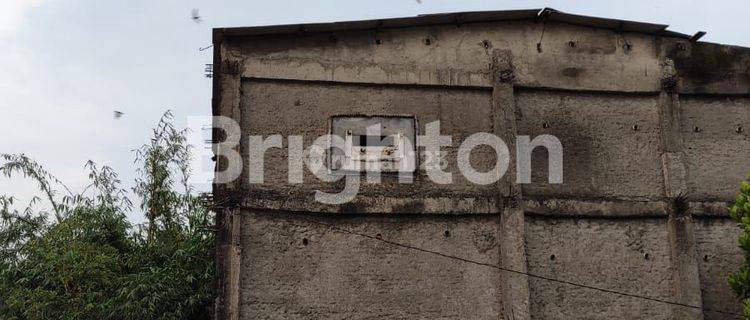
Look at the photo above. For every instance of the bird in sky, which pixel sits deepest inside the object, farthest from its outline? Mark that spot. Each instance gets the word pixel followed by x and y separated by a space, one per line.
pixel 195 16
pixel 118 114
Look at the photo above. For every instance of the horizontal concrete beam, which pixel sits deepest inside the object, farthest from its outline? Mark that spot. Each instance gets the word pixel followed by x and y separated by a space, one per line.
pixel 596 208
pixel 463 204
pixel 447 204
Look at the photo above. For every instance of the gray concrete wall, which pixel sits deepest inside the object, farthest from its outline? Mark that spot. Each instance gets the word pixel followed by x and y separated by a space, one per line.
pixel 629 254
pixel 300 269
pixel 718 255
pixel 638 135
pixel 596 129
pixel 303 108
pixel 715 150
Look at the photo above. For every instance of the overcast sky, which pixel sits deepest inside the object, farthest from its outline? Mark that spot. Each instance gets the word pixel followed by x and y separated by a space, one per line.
pixel 66 65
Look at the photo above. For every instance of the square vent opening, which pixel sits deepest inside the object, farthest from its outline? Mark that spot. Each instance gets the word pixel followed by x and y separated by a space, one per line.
pixel 383 144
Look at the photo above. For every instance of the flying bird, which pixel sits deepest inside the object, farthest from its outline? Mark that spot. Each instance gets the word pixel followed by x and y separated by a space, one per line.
pixel 118 114
pixel 195 16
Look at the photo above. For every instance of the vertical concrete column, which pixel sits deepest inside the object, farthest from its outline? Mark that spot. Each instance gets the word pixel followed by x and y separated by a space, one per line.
pixel 685 274
pixel 514 286
pixel 673 167
pixel 226 101
pixel 228 252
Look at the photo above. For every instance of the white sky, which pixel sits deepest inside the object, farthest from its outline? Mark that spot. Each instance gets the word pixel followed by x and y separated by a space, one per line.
pixel 66 65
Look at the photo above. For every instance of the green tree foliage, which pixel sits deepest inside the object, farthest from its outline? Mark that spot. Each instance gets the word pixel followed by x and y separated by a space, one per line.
pixel 740 212
pixel 76 256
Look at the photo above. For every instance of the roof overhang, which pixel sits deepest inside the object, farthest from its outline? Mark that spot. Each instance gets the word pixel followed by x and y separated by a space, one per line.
pixel 545 14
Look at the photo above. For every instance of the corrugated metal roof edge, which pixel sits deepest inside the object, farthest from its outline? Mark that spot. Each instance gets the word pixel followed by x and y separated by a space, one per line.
pixel 454 18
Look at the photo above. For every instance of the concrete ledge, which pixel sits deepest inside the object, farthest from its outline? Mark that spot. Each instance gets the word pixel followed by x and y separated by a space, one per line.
pixel 595 208
pixel 457 203
pixel 445 204
pixel 709 208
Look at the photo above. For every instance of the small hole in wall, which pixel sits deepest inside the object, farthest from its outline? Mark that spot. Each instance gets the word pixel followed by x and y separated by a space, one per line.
pixel 571 44
pixel 447 233
pixel 379 236
pixel 305 241
pixel 705 258
pixel 627 46
pixel 427 41
pixel 646 256
pixel 552 257
pixel 696 129
pixel 378 42
pixel 635 127
pixel 486 44
pixel 739 129
pixel 545 125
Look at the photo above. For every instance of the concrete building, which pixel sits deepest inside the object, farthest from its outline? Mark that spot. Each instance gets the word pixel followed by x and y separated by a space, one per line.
pixel 653 125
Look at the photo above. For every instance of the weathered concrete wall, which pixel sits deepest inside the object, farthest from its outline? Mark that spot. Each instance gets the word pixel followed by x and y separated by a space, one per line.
pixel 716 145
pixel 404 57
pixel 296 268
pixel 300 108
pixel 631 255
pixel 719 255
pixel 643 122
pixel 601 146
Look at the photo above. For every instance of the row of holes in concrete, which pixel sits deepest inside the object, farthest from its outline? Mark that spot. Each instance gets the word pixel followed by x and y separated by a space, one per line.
pixel 487 44
pixel 645 256
pixel 635 127
pixel 447 234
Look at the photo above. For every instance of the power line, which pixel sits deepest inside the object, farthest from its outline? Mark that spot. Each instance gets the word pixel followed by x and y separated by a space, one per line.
pixel 531 275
